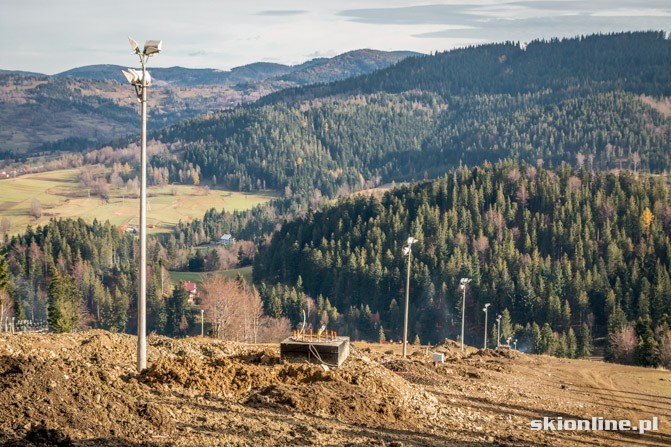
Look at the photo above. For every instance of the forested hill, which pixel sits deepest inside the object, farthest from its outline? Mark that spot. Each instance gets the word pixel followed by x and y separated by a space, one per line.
pixel 563 247
pixel 575 100
pixel 637 62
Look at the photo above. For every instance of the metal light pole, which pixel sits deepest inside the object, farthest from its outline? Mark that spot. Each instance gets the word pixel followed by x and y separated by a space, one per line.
pixel 485 311
pixel 407 250
pixel 141 82
pixel 202 322
pixel 498 330
pixel 515 342
pixel 462 284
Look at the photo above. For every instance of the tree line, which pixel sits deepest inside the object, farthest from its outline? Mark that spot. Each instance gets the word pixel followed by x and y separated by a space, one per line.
pixel 559 249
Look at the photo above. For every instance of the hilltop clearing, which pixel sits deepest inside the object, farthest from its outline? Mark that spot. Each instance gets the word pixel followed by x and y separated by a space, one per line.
pixel 82 390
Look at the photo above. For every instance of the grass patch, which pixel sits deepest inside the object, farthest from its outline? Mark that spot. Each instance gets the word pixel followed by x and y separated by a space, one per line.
pixel 199 277
pixel 61 195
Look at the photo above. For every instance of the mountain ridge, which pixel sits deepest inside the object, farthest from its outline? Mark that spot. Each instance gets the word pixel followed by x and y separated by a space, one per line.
pixel 94 103
pixel 253 72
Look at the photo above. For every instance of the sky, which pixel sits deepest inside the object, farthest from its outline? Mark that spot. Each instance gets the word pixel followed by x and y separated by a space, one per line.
pixel 51 36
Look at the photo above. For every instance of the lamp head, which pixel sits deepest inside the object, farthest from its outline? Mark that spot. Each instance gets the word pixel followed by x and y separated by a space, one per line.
pixel 406 251
pixel 411 240
pixel 152 47
pixel 134 45
pixel 487 305
pixel 135 78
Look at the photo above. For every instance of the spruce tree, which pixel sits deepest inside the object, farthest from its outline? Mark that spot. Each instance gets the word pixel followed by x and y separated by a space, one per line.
pixel 647 350
pixel 4 273
pixel 584 342
pixel 177 309
pixel 64 300
pixel 571 344
pixel 381 338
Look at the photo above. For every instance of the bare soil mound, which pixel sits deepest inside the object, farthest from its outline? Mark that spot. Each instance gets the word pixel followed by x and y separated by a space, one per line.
pixel 83 390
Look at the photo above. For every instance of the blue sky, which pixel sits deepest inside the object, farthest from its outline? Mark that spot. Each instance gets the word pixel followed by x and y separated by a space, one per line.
pixel 50 36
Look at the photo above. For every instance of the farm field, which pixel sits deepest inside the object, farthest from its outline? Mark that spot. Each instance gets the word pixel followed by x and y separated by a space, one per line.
pixel 60 195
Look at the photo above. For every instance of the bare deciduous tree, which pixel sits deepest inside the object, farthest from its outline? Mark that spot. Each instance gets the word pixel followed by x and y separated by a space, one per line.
pixel 5 226
pixel 6 307
pixel 665 350
pixel 36 209
pixel 574 183
pixel 636 159
pixel 234 309
pixel 623 345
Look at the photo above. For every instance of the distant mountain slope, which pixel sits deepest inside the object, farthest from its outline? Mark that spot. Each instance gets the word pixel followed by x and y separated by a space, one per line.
pixel 637 62
pixel 428 114
pixel 346 65
pixel 353 63
pixel 94 103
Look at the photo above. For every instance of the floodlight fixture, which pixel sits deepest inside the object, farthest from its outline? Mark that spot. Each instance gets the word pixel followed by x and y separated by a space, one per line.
pixel 152 47
pixel 411 240
pixel 130 75
pixel 134 45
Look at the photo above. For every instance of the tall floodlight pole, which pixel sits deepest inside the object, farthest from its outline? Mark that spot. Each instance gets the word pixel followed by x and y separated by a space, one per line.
pixel 462 283
pixel 485 311
pixel 141 82
pixel 407 250
pixel 498 330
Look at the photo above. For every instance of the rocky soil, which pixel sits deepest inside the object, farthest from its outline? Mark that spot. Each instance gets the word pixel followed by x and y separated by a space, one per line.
pixel 83 390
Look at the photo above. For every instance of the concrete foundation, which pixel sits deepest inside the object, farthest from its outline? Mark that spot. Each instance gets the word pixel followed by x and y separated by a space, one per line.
pixel 331 353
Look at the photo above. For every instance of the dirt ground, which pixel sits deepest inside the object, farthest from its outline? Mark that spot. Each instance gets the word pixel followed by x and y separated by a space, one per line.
pixel 83 390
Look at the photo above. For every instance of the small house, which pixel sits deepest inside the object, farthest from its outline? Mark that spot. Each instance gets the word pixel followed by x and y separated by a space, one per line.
pixel 226 240
pixel 192 289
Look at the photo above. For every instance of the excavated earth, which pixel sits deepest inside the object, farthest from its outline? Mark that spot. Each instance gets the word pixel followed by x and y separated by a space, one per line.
pixel 83 390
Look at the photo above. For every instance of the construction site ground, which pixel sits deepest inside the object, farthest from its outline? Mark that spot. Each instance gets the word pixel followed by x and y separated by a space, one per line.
pixel 83 390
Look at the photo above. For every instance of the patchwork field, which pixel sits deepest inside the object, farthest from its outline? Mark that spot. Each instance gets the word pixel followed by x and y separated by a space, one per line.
pixel 60 195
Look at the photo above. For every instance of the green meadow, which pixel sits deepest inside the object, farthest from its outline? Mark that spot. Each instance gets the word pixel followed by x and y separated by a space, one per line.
pixel 61 196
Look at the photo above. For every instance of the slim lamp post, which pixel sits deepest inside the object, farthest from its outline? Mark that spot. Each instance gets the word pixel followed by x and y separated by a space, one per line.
pixel 462 283
pixel 485 311
pixel 202 322
pixel 498 330
pixel 407 250
pixel 141 82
